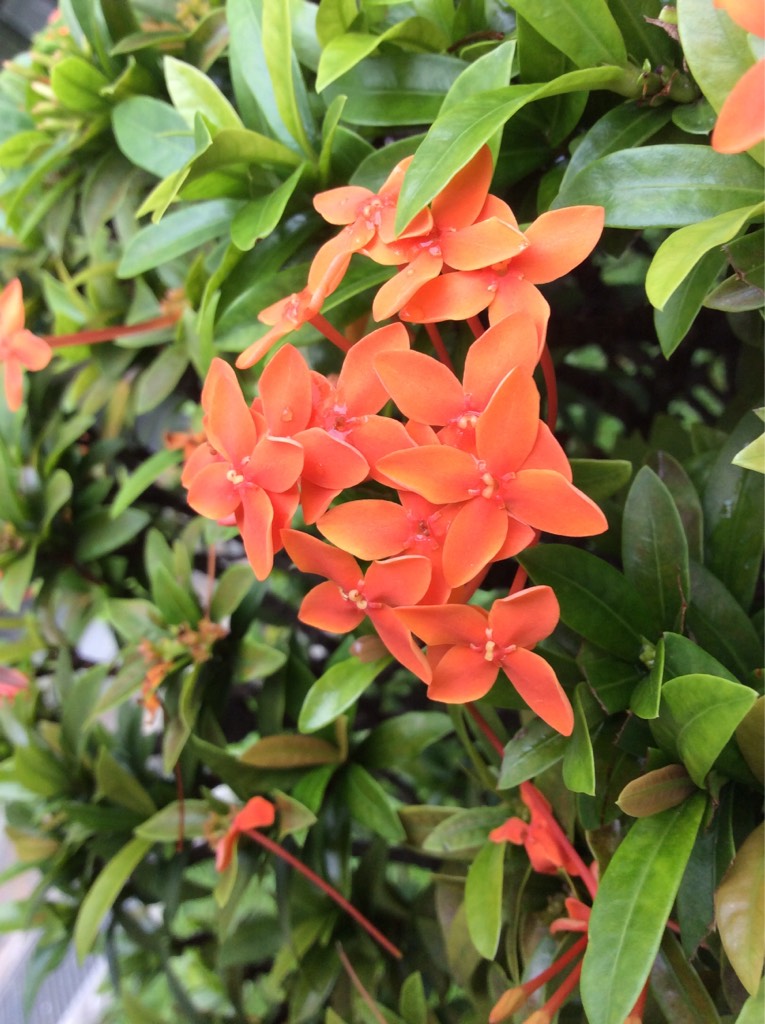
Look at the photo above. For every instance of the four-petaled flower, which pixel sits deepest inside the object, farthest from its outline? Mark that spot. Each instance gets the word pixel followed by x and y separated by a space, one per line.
pixel 468 646
pixel 19 348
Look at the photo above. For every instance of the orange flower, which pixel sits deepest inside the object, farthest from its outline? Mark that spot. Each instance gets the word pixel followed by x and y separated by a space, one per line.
pixel 19 348
pixel 12 682
pixel 349 596
pixel 515 482
pixel 557 242
pixel 243 472
pixel 741 120
pixel 256 813
pixel 467 647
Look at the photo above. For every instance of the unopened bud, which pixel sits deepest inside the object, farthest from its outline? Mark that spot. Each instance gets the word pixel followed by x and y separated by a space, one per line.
pixel 507 1004
pixel 368 648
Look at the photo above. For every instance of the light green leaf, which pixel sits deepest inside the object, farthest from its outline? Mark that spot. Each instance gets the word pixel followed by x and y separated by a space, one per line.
pixel 17 575
pixel 678 254
pixel 147 473
pixel 753 1009
pixel 665 186
pixel 370 805
pixel 483 898
pixel 105 890
pixel 177 234
pixel 346 51
pixel 739 903
pixel 714 47
pixel 463 833
pixel 290 751
pixel 187 819
pixel 286 80
pixel 705 711
pixel 457 136
pixel 160 379
pixel 600 478
pixel 193 92
pixel 403 738
pixel 152 135
pixel 646 696
pixel 77 84
pixel 584 30
pixel 231 589
pixel 119 785
pixel 631 909
pixel 258 218
pixel 492 71
pixel 578 760
pixel 673 322
pixel 176 603
pixel 336 690
pixel 532 750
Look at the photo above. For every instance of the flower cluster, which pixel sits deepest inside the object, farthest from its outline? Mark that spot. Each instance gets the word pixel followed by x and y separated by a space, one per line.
pixel 469 474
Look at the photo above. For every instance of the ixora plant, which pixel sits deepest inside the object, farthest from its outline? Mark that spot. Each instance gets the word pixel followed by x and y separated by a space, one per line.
pixel 380 576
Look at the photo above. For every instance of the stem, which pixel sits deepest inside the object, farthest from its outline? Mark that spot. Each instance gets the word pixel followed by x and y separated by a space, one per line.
pixel 485 728
pixel 555 967
pixel 109 333
pixel 330 333
pixel 475 325
pixel 557 999
pixel 519 580
pixel 438 344
pixel 358 985
pixel 551 383
pixel 326 888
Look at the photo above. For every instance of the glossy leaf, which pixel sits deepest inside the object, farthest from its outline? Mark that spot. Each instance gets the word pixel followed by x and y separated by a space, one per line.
pixel 370 805
pixel 595 599
pixel 600 478
pixel 175 819
pixel 403 738
pixel 686 499
pixel 336 690
pixel 483 899
pixel 258 218
pixel 705 711
pixel 715 615
pixel 679 312
pixel 753 1009
pixel 77 85
pixel 134 485
pixel 613 680
pixel 152 135
pixel 631 909
pixel 412 1004
pixel 584 30
pixel 739 903
pixel 665 186
pixel 460 133
pixel 464 832
pixel 177 234
pixel 286 80
pixel 100 533
pixel 532 750
pixel 346 51
pixel 646 698
pixel 678 254
pixel 492 71
pixel 714 46
pixel 750 737
pixel 656 791
pixel 104 891
pixel 194 92
pixel 654 549
pixel 289 751
pixel 578 761
pixel 119 785
pixel 677 988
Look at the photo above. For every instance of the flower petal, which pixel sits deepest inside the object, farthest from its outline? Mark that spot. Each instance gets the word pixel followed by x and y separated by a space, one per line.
pixel 229 426
pixel 474 538
pixel 396 292
pixel 447 624
pixel 741 121
pixel 276 463
pixel 558 241
pixel 509 343
pixel 32 352
pixel 439 473
pixel 11 309
pixel 285 391
pixel 548 454
pixel 460 202
pixel 524 618
pixel 368 529
pixel 424 389
pixel 14 384
pixel 256 813
pixel 329 461
pixel 211 492
pixel 325 608
pixel 399 642
pixel 507 428
pixel 514 295
pixel 255 518
pixel 454 296
pixel 341 205
pixel 538 685
pixel 314 556
pixel 462 675
pixel 398 581
pixel 749 14
pixel 358 386
pixel 482 244
pixel 547 501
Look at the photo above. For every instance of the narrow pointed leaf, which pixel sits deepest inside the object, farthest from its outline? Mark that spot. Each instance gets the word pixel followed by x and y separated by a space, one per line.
pixel 105 890
pixel 339 687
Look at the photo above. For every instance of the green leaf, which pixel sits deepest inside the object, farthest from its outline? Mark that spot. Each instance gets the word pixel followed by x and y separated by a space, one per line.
pixel 654 549
pixel 717 620
pixel 230 590
pixel 258 218
pixel 174 601
pixel 17 575
pixel 152 135
pixel 646 698
pixel 753 1009
pixel 678 254
pixel 665 186
pixel 127 682
pixel 643 40
pixel 333 18
pixel 159 380
pixel 346 51
pixel 677 988
pixel 632 907
pixel 77 85
pixel 177 234
pixel 289 751
pixel 714 47
pixel 532 750
pixel 286 80
pixel 193 92
pixel 463 833
pixel 102 894
pixel 578 761
pixel 100 533
pixel 136 483
pixel 412 1005
pixel 656 791
pixel 750 737
pixel 734 506
pixel 491 71
pixel 704 712
pixel 613 680
pixel 595 599
pixel 458 135
pixel 676 318
pixel 187 819
pixel 483 898
pixel 403 738
pixel 600 478
pixel 584 30
pixel 336 690
pixel 119 785
pixel 370 805
pixel 739 903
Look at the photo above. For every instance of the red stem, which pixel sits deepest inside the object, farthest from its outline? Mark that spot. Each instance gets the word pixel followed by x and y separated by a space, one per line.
pixel 555 967
pixel 109 333
pixel 475 325
pixel 557 999
pixel 551 383
pixel 485 728
pixel 358 985
pixel 438 344
pixel 330 333
pixel 326 888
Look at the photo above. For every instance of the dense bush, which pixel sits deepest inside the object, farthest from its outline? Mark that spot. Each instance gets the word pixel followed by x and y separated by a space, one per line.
pixel 508 286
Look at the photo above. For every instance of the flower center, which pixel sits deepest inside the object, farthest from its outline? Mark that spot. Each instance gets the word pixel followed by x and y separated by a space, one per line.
pixel 355 596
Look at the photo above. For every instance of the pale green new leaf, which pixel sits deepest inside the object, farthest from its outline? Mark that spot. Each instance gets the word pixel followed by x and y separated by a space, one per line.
pixel 194 92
